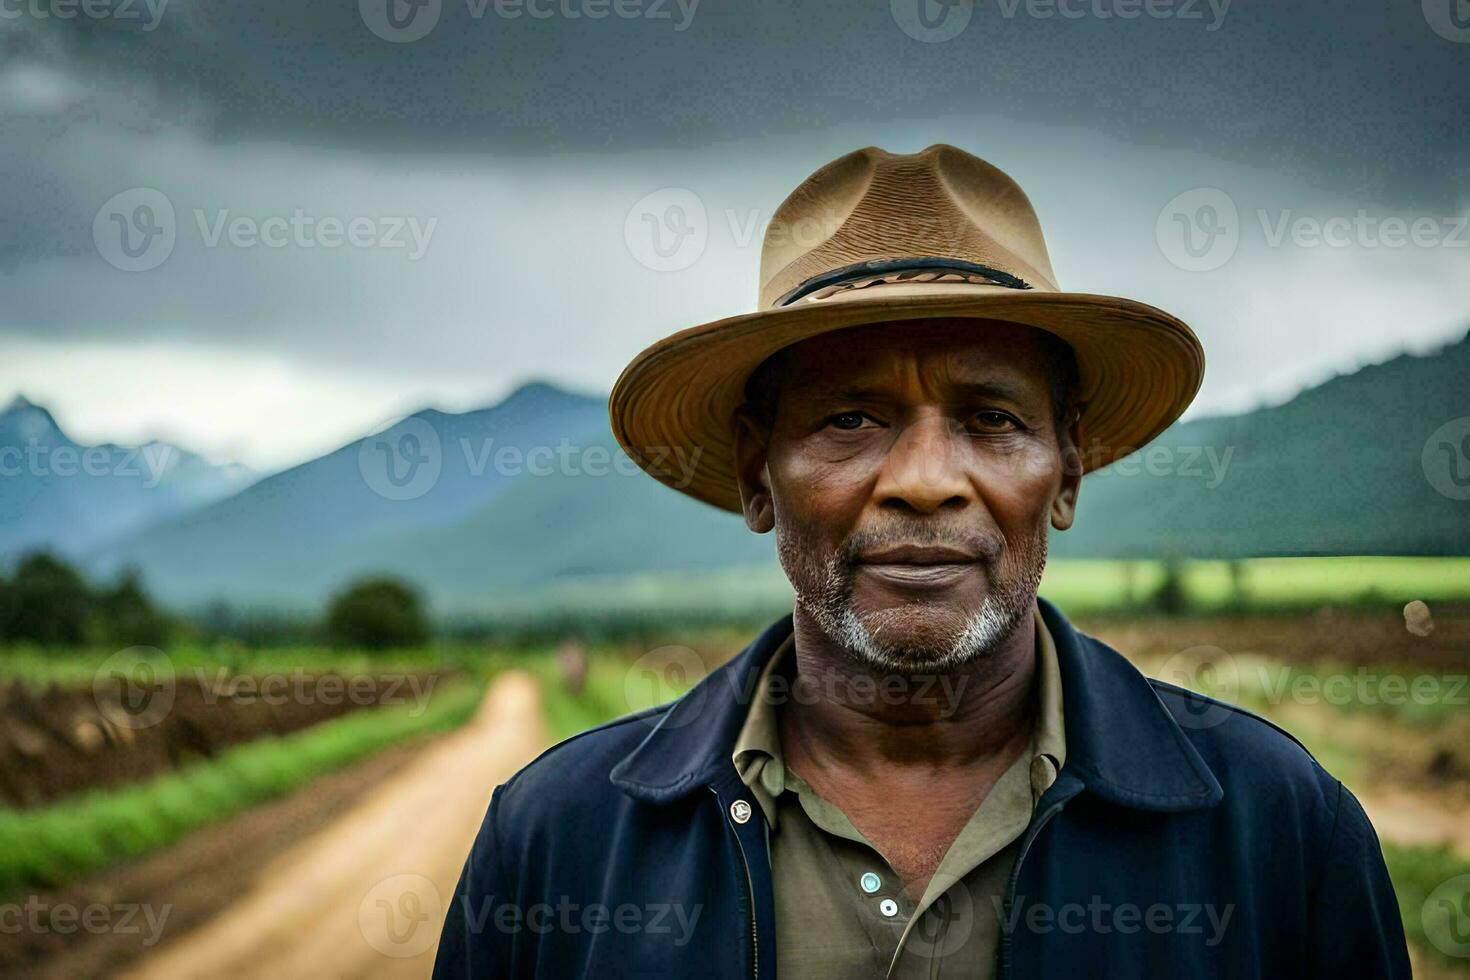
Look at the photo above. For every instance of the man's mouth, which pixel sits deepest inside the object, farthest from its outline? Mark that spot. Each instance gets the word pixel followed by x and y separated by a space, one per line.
pixel 918 554
pixel 919 566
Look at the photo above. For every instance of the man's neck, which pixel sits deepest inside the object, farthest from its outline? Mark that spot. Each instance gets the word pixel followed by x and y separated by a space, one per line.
pixel 867 720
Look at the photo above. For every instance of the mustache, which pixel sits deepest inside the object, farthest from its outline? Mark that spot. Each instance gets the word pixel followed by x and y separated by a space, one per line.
pixel 986 545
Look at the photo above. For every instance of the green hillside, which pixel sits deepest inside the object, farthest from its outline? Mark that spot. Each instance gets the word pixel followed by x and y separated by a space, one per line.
pixel 1338 470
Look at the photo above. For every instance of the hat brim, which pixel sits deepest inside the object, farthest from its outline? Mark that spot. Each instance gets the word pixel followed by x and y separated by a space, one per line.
pixel 672 409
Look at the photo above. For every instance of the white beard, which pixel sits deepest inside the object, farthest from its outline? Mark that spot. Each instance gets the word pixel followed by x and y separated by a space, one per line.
pixel 871 639
pixel 981 634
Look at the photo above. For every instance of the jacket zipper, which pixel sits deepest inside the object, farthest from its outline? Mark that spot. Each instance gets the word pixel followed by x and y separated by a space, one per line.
pixel 755 963
pixel 1005 941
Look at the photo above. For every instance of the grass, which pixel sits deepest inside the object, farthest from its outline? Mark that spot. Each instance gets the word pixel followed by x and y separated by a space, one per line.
pixel 47 847
pixel 616 685
pixel 1084 587
pixel 76 668
pixel 1419 873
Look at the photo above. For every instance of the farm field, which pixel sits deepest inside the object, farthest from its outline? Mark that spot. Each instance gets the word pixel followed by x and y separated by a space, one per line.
pixel 657 605
pixel 192 810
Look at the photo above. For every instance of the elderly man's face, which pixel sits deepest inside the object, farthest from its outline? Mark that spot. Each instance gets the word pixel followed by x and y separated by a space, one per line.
pixel 910 473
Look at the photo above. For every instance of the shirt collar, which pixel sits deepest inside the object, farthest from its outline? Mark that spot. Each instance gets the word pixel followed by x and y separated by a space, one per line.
pixel 1121 742
pixel 757 755
pixel 759 761
pixel 1051 728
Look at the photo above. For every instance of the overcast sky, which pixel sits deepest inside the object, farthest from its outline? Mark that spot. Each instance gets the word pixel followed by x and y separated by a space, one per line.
pixel 262 228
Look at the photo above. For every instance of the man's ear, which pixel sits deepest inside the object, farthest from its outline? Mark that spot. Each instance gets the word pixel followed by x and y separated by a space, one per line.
pixel 751 441
pixel 1064 504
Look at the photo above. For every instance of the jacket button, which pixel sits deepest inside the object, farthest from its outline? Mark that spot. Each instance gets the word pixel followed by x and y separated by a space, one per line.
pixel 740 811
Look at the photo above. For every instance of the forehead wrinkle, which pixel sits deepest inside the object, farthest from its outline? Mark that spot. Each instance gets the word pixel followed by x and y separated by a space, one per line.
pixel 935 374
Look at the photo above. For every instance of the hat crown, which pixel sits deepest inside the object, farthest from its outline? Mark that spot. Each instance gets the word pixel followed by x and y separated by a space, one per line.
pixel 874 205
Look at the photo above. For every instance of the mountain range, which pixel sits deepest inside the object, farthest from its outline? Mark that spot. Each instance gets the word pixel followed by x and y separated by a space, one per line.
pixel 480 506
pixel 468 506
pixel 59 494
pixel 1376 462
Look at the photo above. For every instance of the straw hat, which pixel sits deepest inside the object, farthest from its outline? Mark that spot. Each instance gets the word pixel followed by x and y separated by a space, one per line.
pixel 879 237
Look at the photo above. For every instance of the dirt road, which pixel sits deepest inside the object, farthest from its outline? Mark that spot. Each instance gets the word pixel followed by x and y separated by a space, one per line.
pixel 365 896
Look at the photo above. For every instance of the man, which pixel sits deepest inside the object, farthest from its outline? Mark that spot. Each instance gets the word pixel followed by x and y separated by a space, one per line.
pixel 925 770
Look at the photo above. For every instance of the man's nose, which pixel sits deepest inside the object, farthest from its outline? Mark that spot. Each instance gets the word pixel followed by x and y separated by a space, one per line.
pixel 927 467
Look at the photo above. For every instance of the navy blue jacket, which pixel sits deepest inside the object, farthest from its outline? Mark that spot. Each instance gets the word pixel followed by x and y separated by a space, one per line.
pixel 1183 838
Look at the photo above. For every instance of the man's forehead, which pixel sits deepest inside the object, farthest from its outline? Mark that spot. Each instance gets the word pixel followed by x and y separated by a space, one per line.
pixel 947 351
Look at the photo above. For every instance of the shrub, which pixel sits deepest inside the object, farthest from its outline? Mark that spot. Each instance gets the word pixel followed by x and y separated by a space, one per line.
pixel 376 613
pixel 48 602
pixel 1171 598
pixel 126 616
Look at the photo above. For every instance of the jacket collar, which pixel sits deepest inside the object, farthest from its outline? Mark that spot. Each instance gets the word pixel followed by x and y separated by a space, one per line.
pixel 1122 743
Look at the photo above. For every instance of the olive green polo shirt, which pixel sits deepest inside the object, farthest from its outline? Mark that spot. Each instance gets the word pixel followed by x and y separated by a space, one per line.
pixel 841 909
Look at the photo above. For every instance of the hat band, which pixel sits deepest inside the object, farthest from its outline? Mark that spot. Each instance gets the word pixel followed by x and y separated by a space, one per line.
pixel 912 264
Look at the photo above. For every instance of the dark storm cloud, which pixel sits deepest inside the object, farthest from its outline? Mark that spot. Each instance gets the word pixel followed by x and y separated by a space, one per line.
pixel 528 144
pixel 1365 97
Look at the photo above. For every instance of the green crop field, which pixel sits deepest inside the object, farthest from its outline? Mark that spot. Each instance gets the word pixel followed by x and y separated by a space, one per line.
pixel 1084 586
pixel 51 845
pixel 623 623
pixel 77 668
pixel 655 604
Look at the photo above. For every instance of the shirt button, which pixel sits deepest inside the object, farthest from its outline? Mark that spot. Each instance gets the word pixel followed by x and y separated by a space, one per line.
pixel 870 882
pixel 740 811
pixel 888 907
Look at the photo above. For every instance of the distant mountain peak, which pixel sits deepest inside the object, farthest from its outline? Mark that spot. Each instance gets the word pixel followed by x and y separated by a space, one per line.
pixel 43 503
pixel 526 399
pixel 25 421
pixel 538 390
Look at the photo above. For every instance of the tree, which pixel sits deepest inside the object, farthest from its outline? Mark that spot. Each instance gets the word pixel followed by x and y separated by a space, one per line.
pixel 7 605
pixel 1240 598
pixel 127 617
pixel 48 602
pixel 376 613
pixel 1171 598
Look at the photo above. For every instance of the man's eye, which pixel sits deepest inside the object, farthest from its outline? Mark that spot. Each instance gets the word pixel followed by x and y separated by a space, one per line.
pixel 996 421
pixel 847 420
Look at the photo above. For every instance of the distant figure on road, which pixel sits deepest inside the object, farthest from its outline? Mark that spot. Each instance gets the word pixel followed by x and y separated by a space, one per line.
pixel 571 660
